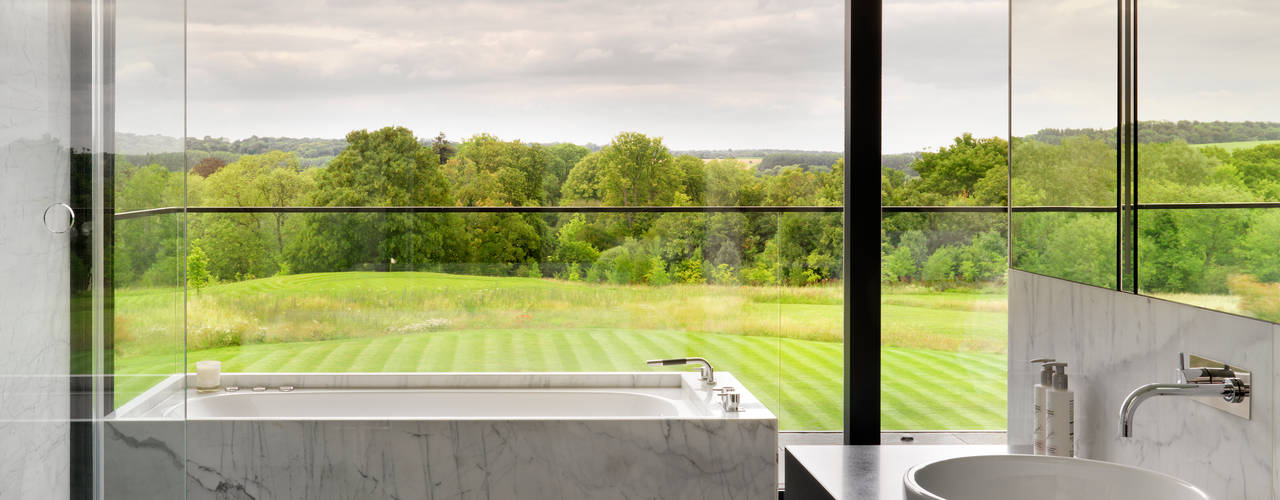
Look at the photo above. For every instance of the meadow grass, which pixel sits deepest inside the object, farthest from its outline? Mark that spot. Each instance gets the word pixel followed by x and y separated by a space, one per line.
pixel 782 342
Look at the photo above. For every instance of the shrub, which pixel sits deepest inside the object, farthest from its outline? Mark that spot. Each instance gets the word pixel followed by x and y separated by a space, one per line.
pixel 657 274
pixel 724 274
pixel 763 273
pixel 574 272
pixel 1261 300
pixel 690 271
pixel 197 268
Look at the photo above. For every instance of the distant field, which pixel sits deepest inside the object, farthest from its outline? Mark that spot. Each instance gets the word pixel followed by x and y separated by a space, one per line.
pixel 1224 303
pixel 1232 146
pixel 749 162
pixel 943 353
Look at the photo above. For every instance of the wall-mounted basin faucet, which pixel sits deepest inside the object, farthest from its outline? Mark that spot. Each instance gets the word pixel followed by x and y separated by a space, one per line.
pixel 1222 384
pixel 708 373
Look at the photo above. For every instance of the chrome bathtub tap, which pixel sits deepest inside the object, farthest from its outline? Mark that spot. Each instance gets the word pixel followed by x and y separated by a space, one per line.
pixel 1230 385
pixel 730 401
pixel 708 373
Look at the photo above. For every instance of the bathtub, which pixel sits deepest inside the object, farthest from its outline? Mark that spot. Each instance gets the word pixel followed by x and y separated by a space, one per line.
pixel 454 435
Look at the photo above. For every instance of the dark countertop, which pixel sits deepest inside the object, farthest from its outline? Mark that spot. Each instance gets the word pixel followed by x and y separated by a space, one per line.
pixel 874 472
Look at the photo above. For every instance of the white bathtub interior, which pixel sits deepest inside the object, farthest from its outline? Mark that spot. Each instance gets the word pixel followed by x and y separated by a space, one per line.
pixel 447 396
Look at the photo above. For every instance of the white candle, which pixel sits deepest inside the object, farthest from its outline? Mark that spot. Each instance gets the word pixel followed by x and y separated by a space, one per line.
pixel 208 374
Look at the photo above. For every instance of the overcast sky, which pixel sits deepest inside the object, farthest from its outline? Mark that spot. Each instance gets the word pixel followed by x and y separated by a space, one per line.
pixel 700 73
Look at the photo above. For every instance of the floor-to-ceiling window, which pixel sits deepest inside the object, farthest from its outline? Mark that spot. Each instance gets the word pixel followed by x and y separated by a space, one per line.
pixel 509 187
pixel 944 231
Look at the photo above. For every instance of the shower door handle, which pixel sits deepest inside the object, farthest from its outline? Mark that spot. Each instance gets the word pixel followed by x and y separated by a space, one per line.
pixel 59 217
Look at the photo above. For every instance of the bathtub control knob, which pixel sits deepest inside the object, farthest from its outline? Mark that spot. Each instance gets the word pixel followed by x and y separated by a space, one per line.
pixel 232 388
pixel 729 400
pixel 286 388
pixel 259 389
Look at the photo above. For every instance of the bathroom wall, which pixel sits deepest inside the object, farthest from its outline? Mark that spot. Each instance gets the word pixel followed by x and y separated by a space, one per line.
pixel 34 93
pixel 1117 341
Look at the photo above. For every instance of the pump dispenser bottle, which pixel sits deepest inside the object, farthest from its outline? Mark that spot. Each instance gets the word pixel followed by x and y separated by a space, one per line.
pixel 1042 386
pixel 1060 416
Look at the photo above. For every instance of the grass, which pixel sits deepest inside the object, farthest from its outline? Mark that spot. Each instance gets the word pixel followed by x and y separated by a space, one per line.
pixel 1232 146
pixel 943 353
pixel 1224 303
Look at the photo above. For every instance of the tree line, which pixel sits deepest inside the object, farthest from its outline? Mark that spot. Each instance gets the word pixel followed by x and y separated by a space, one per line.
pixel 393 167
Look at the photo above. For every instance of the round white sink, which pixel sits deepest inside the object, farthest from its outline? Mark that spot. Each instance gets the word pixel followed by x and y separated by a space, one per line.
pixel 1013 477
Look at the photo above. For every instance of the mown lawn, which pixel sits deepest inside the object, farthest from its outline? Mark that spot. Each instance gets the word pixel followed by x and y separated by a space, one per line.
pixel 943 354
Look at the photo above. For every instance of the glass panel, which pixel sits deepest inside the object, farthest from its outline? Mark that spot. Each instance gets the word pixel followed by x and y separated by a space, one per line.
pixel 1063 162
pixel 1209 135
pixel 36 288
pixel 147 282
pixel 346 291
pixel 943 294
pixel 944 321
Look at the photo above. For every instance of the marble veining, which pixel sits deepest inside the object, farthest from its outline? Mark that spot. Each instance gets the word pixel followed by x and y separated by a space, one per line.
pixel 34 122
pixel 1117 341
pixel 686 457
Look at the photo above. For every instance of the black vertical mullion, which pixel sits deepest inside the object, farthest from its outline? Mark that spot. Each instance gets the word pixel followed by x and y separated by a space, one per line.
pixel 81 413
pixel 862 222
pixel 1120 148
pixel 1133 168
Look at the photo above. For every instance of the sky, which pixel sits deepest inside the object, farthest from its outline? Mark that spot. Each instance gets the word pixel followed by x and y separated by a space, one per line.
pixel 703 74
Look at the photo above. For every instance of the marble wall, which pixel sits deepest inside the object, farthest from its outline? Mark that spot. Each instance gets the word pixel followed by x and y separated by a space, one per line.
pixel 1117 341
pixel 34 122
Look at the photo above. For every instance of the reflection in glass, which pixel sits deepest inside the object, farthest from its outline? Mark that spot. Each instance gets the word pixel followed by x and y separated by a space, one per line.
pixel 1208 135
pixel 1063 165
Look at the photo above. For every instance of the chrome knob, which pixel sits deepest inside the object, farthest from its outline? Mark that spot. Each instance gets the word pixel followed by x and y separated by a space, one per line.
pixel 59 217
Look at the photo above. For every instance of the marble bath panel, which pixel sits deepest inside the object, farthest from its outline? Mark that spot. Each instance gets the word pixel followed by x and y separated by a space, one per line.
pixel 531 459
pixel 143 460
pixel 1118 341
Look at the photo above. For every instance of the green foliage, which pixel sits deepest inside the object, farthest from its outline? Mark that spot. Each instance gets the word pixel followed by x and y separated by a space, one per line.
pixel 970 168
pixel 690 271
pixel 1191 132
pixel 772 162
pixel 657 274
pixel 564 157
pixel 1259 250
pixel 197 268
pixel 386 167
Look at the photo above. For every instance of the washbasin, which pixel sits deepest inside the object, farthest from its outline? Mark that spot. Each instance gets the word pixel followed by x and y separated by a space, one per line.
pixel 1015 477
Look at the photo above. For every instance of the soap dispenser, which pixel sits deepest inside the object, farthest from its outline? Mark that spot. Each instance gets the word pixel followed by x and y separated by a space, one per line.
pixel 1060 415
pixel 1042 386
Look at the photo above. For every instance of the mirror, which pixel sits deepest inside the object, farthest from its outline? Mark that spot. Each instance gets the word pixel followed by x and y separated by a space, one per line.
pixel 1064 147
pixel 1208 155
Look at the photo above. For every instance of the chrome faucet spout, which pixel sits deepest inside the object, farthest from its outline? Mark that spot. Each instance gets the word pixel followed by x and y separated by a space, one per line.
pixel 1228 390
pixel 708 374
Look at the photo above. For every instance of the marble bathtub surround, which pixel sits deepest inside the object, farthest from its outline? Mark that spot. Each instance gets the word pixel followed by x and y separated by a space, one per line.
pixel 715 455
pixel 1118 341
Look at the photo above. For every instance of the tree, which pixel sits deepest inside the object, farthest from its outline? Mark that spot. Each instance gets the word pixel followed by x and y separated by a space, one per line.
pixel 1260 248
pixel 564 157
pixel 237 242
pixel 954 172
pixel 693 178
pixel 208 166
pixel 197 268
pixel 638 171
pixel 443 150
pixel 386 167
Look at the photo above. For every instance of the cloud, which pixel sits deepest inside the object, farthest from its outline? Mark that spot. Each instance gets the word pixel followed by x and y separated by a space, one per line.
pixel 541 69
